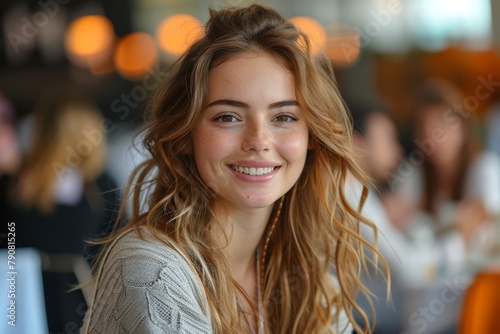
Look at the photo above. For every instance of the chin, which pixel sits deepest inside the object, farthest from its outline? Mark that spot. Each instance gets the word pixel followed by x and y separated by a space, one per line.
pixel 257 201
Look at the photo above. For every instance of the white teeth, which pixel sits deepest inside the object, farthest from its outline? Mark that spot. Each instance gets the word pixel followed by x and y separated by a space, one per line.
pixel 253 171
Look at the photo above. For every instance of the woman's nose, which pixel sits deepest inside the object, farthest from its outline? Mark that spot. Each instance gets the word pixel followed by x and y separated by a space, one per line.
pixel 256 137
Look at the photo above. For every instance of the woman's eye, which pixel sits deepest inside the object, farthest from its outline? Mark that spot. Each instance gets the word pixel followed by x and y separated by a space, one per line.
pixel 227 118
pixel 285 118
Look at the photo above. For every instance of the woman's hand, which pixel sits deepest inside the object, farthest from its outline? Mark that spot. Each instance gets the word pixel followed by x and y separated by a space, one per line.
pixel 469 215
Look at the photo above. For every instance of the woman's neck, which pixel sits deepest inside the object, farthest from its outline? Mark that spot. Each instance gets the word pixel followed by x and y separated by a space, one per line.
pixel 244 229
pixel 446 176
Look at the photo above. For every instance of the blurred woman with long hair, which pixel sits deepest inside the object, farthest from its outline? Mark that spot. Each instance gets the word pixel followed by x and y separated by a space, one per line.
pixel 61 146
pixel 62 196
pixel 455 189
pixel 246 227
pixel 460 183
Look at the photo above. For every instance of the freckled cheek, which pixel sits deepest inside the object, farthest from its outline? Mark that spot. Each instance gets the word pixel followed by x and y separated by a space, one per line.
pixel 293 146
pixel 211 148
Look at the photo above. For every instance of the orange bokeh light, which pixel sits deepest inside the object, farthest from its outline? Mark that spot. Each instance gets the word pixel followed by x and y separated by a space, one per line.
pixel 135 53
pixel 344 45
pixel 313 29
pixel 89 36
pixel 177 32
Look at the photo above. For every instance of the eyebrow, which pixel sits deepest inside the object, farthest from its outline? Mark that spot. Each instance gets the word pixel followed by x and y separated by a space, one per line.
pixel 239 104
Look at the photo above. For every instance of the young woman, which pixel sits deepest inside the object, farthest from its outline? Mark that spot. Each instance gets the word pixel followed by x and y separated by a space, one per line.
pixel 246 223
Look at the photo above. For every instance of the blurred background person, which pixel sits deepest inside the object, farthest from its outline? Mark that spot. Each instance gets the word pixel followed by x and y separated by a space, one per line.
pixel 454 190
pixel 62 196
pixel 376 142
pixel 413 263
pixel 10 160
pixel 458 185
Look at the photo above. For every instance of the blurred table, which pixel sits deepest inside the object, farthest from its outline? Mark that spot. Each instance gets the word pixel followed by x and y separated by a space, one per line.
pixel 436 308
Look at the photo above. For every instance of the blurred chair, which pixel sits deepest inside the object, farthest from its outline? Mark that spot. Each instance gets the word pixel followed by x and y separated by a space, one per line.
pixel 71 264
pixel 31 266
pixel 481 305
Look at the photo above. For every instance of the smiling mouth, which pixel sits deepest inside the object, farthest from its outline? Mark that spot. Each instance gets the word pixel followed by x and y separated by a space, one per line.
pixel 253 171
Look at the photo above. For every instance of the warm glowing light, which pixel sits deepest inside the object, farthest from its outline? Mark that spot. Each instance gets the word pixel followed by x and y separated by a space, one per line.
pixel 135 54
pixel 89 36
pixel 177 32
pixel 313 29
pixel 343 45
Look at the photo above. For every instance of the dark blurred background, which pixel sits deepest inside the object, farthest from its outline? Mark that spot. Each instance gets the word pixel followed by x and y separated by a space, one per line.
pixel 387 46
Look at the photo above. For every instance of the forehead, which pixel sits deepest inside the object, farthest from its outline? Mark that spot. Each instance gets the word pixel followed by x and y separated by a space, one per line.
pixel 432 113
pixel 250 74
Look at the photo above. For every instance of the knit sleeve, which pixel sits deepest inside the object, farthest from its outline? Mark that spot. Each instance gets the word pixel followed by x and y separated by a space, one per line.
pixel 146 287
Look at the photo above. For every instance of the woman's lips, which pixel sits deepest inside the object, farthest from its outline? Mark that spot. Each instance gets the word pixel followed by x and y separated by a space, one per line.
pixel 253 171
pixel 253 174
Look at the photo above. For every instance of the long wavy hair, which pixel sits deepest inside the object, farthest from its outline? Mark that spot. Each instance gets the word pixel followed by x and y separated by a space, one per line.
pixel 318 229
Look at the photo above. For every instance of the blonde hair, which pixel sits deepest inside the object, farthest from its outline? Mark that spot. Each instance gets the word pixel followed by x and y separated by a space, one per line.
pixel 60 124
pixel 318 229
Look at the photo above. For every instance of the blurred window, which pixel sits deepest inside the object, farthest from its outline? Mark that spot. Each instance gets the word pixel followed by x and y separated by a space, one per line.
pixel 436 23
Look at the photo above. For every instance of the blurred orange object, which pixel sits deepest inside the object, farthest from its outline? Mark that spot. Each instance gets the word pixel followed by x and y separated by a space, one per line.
pixel 480 310
pixel 177 32
pixel 90 41
pixel 135 54
pixel 313 29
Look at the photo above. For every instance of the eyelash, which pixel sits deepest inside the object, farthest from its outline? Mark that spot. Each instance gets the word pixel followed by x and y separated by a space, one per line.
pixel 218 118
pixel 291 117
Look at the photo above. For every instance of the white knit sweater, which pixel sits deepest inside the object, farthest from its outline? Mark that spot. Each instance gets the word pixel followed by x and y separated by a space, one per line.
pixel 147 287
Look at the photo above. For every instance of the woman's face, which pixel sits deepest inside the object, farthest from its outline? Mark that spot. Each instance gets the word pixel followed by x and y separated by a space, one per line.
pixel 441 137
pixel 251 142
